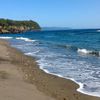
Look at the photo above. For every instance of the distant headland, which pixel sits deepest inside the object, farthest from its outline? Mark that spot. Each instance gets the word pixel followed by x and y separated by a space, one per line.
pixel 14 26
pixel 55 28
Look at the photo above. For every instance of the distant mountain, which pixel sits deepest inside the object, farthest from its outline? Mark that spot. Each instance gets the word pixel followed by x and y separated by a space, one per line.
pixel 13 26
pixel 55 28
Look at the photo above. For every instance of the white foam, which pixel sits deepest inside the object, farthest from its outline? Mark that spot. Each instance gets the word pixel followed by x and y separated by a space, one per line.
pixel 46 71
pixel 81 86
pixel 29 54
pixel 25 39
pixel 84 51
pixel 81 90
pixel 6 37
pixel 98 30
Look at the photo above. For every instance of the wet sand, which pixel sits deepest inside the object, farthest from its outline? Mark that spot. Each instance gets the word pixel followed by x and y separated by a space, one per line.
pixel 21 79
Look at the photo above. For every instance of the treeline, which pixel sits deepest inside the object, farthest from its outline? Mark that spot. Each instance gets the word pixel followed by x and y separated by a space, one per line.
pixel 7 25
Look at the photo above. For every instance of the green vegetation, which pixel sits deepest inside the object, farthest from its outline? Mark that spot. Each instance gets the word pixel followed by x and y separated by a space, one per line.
pixel 12 26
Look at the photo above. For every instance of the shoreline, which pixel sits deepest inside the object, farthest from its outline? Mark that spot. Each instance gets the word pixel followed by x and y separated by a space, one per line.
pixel 51 85
pixel 58 75
pixel 80 85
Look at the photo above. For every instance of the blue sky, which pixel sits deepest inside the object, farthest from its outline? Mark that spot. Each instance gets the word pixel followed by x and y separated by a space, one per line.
pixel 61 13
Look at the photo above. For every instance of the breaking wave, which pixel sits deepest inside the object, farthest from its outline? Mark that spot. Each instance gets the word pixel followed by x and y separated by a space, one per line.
pixel 6 37
pixel 25 39
pixel 85 51
pixel 81 51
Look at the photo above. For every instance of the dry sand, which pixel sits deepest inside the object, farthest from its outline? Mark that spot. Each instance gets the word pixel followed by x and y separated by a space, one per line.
pixel 12 85
pixel 21 79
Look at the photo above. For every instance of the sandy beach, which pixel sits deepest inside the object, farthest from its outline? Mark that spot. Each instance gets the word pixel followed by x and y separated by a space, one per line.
pixel 21 79
pixel 12 85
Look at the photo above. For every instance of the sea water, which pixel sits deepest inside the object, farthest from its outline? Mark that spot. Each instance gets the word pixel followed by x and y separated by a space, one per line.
pixel 72 54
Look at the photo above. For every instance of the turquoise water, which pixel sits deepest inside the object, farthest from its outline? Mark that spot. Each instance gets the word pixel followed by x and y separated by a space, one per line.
pixel 72 54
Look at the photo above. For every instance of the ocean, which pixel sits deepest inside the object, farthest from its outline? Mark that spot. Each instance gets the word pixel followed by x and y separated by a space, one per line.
pixel 71 54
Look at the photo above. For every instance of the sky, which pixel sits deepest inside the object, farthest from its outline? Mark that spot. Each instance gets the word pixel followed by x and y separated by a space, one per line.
pixel 54 13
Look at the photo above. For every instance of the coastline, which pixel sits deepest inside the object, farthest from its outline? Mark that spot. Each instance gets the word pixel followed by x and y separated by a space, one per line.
pixel 15 26
pixel 51 85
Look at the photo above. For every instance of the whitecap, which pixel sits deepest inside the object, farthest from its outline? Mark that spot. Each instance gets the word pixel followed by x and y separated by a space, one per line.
pixel 98 30
pixel 25 39
pixel 85 51
pixel 6 37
